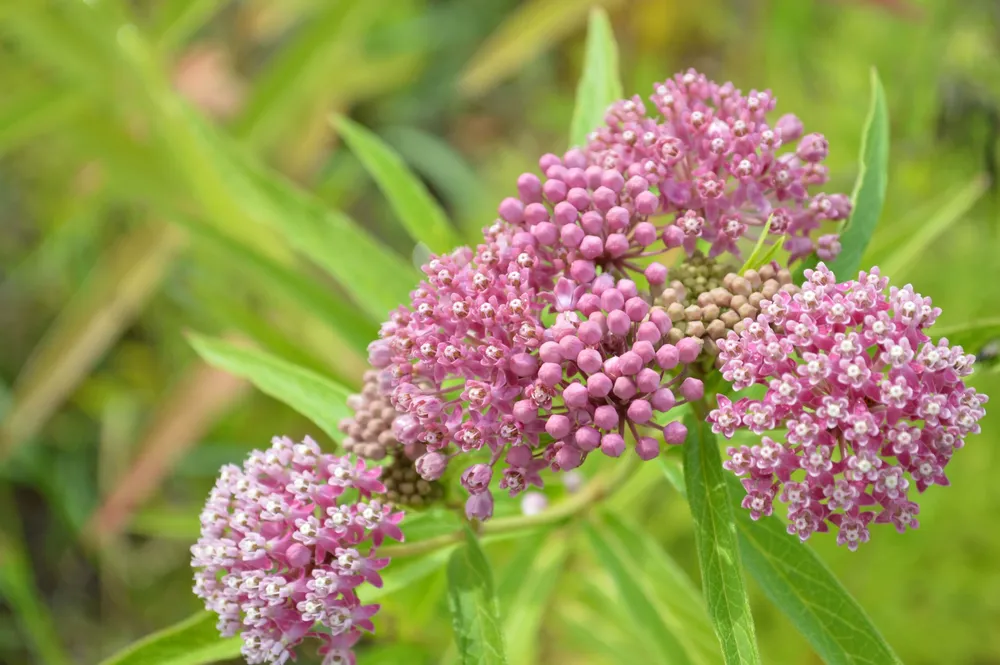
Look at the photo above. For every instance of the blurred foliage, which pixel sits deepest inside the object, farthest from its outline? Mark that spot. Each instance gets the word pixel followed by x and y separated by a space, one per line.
pixel 169 166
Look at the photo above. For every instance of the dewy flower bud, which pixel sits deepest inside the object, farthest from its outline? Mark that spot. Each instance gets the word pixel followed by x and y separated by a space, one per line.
pixel 869 404
pixel 282 553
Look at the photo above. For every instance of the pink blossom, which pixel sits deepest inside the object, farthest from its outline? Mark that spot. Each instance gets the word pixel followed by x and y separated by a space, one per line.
pixel 272 570
pixel 870 406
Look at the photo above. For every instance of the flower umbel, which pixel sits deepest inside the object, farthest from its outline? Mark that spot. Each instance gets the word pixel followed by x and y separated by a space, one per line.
pixel 870 405
pixel 282 551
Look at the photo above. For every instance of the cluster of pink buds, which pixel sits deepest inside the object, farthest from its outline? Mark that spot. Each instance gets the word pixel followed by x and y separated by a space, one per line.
pixel 282 553
pixel 868 404
pixel 710 168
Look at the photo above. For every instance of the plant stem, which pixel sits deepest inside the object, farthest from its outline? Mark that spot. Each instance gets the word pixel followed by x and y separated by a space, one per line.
pixel 597 490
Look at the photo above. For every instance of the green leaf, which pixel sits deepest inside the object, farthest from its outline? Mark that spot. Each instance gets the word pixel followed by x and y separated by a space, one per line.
pixel 600 84
pixel 474 612
pixel 19 593
pixel 315 397
pixel 531 591
pixel 869 189
pixel 907 252
pixel 528 31
pixel 420 214
pixel 663 604
pixel 718 553
pixel 177 20
pixel 800 585
pixel 971 335
pixel 355 328
pixel 194 641
pixel 758 247
pixel 448 172
pixel 803 588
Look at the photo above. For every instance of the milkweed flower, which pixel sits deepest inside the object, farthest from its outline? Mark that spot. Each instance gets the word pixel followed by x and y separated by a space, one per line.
pixel 282 551
pixel 706 161
pixel 490 356
pixel 869 406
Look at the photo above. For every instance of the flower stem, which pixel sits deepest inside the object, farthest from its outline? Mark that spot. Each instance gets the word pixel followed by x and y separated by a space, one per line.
pixel 596 491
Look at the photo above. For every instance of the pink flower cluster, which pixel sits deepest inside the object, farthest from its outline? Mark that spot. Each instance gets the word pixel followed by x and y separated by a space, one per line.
pixel 544 344
pixel 710 168
pixel 475 367
pixel 868 404
pixel 282 552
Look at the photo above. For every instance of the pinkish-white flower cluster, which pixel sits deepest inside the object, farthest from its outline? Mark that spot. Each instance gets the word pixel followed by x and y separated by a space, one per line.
pixel 710 167
pixel 868 404
pixel 475 367
pixel 282 552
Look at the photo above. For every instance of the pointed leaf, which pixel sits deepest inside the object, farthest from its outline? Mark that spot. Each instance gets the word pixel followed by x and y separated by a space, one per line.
pixel 718 553
pixel 314 396
pixel 473 603
pixel 600 83
pixel 531 29
pixel 636 596
pixel 418 211
pixel 349 322
pixel 803 588
pixel 194 641
pixel 869 189
pixel 799 584
pixel 758 247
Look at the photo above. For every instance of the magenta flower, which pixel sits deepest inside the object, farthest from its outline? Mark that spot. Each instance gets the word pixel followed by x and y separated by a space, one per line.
pixel 710 163
pixel 281 553
pixel 867 403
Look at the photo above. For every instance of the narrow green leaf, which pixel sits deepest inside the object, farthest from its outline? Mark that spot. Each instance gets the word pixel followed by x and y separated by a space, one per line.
pixel 600 83
pixel 531 593
pixel 315 397
pixel 474 612
pixel 869 189
pixel 906 253
pixel 800 585
pixel 448 173
pixel 972 334
pixel 416 209
pixel 758 247
pixel 19 593
pixel 662 602
pixel 178 20
pixel 194 641
pixel 528 31
pixel 803 588
pixel 27 113
pixel 355 328
pixel 718 553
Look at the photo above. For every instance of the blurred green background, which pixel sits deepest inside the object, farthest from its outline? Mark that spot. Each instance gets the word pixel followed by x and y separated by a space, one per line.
pixel 153 154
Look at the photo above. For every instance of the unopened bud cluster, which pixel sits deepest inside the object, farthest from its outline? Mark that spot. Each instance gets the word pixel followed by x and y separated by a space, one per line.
pixel 713 311
pixel 369 433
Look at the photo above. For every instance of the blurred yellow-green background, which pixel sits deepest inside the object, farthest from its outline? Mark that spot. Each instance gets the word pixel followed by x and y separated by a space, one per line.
pixel 151 152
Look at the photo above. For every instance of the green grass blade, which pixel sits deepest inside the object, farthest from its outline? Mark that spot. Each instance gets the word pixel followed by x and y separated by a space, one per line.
pixel 600 83
pixel 903 259
pixel 869 189
pixel 178 20
pixel 473 603
pixel 718 552
pixel 194 641
pixel 416 209
pixel 314 396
